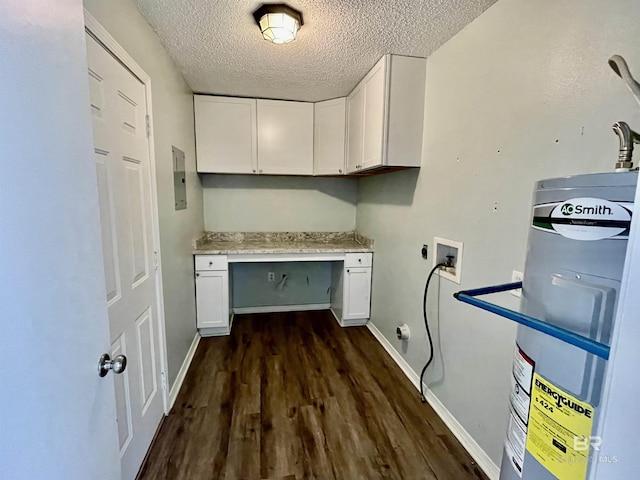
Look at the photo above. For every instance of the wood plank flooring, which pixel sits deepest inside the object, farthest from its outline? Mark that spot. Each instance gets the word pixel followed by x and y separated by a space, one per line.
pixel 294 396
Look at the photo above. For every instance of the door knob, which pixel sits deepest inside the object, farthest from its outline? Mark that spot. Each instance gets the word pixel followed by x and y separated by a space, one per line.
pixel 118 364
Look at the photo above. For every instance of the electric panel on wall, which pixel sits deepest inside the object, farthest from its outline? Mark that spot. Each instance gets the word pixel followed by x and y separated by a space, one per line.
pixel 179 179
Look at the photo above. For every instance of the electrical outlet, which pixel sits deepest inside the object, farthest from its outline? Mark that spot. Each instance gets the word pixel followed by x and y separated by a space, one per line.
pixel 516 276
pixel 271 277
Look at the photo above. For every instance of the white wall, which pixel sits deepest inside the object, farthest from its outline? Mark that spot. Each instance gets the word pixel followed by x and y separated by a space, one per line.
pixel 56 414
pixel 521 94
pixel 244 203
pixel 172 125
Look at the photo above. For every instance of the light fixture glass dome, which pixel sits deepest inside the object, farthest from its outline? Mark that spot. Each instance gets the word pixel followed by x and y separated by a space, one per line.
pixel 278 23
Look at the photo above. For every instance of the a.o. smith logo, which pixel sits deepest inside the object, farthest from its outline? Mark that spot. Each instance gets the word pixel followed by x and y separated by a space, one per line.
pixel 569 209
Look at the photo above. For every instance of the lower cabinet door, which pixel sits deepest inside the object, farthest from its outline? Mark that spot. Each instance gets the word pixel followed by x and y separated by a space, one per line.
pixel 357 293
pixel 212 299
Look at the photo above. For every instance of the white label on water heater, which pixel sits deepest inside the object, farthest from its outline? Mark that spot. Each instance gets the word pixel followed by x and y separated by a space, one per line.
pixel 519 402
pixel 584 218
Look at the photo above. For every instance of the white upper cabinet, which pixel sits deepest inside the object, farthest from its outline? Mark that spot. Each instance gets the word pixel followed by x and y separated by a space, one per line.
pixel 377 127
pixel 329 137
pixel 285 137
pixel 374 110
pixel 355 128
pixel 226 140
pixel 385 115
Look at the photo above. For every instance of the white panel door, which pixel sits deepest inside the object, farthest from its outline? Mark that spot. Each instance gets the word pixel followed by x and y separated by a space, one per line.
pixel 212 299
pixel 357 293
pixel 355 129
pixel 374 112
pixel 226 139
pixel 329 137
pixel 122 160
pixel 285 137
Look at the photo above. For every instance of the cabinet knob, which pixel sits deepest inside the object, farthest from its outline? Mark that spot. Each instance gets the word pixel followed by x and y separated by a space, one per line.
pixel 197 274
pixel 348 270
pixel 359 260
pixel 260 171
pixel 210 264
pixel 339 170
pixel 254 170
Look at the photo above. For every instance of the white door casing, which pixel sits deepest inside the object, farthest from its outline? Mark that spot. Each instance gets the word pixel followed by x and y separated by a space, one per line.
pixel 123 170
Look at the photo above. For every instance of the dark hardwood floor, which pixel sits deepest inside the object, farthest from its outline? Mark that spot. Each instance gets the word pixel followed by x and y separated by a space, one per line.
pixel 294 396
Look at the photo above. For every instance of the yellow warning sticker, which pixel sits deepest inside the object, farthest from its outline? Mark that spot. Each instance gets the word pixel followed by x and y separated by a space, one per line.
pixel 559 430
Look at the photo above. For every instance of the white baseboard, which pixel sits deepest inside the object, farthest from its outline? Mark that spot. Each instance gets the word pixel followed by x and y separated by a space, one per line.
pixel 177 384
pixel 360 322
pixel 282 308
pixel 477 453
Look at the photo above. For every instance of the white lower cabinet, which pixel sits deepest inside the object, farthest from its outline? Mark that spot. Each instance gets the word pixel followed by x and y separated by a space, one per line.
pixel 350 287
pixel 212 296
pixel 357 293
pixel 351 284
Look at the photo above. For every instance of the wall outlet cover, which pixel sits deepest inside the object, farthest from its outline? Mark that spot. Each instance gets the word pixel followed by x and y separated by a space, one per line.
pixel 516 276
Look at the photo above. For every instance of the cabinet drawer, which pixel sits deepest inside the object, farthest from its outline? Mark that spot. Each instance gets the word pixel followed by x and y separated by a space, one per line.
pixel 211 262
pixel 357 260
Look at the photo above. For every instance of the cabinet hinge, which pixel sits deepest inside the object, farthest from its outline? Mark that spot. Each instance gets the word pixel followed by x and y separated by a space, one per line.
pixel 148 122
pixel 163 380
pixel 155 260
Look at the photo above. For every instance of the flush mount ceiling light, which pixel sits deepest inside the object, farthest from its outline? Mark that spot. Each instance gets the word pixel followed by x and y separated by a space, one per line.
pixel 279 23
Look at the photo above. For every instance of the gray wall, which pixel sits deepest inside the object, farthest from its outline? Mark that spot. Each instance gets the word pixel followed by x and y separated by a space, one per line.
pixel 172 125
pixel 243 203
pixel 307 283
pixel 523 93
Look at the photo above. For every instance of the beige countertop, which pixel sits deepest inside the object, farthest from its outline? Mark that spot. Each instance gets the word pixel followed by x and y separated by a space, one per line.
pixel 229 243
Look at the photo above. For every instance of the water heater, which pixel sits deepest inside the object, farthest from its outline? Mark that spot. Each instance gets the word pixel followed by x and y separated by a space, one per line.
pixel 575 257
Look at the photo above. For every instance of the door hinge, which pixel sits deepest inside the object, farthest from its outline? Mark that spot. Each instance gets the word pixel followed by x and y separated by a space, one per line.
pixel 155 260
pixel 163 379
pixel 148 120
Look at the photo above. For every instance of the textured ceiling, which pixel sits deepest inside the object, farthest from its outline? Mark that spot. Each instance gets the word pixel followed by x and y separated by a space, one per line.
pixel 219 49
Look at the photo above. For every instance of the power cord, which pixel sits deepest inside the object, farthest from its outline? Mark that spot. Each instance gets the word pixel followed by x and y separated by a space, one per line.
pixel 426 324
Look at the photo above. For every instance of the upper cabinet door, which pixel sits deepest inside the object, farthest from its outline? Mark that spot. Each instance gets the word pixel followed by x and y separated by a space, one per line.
pixel 355 128
pixel 329 137
pixel 374 114
pixel 285 137
pixel 226 139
